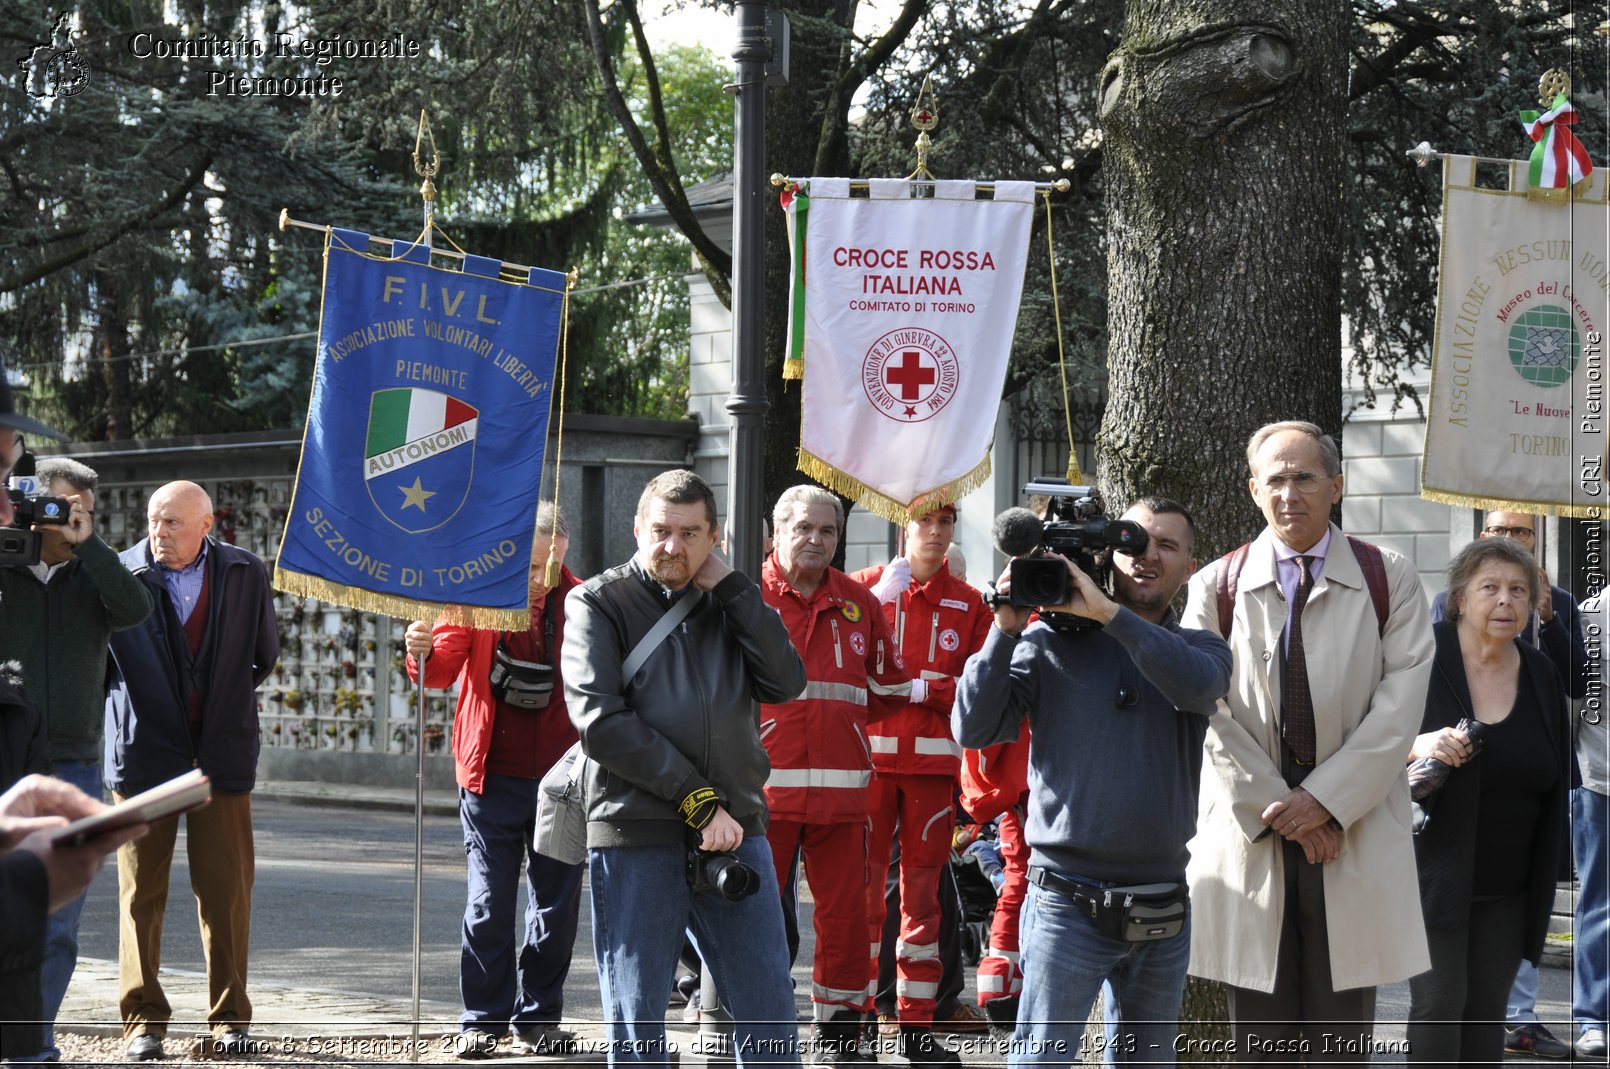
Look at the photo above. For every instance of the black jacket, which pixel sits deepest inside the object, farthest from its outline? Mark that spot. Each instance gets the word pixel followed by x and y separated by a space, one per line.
pixel 688 719
pixel 148 737
pixel 22 730
pixel 1446 848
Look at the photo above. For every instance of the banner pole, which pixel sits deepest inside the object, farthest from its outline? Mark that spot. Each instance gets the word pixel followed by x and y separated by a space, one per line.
pixel 427 193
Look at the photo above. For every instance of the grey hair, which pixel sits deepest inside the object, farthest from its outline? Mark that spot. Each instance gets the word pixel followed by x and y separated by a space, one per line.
pixel 551 521
pixel 1482 552
pixel 80 477
pixel 1328 452
pixel 806 494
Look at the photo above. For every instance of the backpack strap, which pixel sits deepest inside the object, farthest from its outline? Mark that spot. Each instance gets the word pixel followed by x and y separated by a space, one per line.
pixel 1374 569
pixel 1229 578
pixel 1370 563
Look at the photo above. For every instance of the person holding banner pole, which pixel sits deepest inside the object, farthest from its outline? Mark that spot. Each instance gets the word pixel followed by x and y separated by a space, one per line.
pixel 511 725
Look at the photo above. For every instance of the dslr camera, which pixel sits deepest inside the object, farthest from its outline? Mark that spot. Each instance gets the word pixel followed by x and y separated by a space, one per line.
pixel 1077 527
pixel 721 872
pixel 19 543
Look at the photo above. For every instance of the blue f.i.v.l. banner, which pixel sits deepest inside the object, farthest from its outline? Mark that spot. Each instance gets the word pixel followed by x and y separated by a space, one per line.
pixel 423 454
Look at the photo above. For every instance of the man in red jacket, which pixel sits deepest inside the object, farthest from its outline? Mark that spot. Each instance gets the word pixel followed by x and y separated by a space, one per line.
pixel 503 742
pixel 820 760
pixel 938 621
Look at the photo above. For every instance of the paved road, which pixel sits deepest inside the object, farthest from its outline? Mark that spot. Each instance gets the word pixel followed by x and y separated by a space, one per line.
pixel 333 912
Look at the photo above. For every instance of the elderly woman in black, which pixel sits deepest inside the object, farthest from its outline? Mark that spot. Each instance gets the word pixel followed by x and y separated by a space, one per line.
pixel 1488 849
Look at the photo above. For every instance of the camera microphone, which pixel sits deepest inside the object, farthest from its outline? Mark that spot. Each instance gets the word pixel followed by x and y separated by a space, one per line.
pixel 1016 531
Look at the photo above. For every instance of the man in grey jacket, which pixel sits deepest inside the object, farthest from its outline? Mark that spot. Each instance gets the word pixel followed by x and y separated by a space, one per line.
pixel 676 764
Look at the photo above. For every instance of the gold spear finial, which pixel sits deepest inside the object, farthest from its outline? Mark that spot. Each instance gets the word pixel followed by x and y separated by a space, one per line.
pixel 427 171
pixel 925 117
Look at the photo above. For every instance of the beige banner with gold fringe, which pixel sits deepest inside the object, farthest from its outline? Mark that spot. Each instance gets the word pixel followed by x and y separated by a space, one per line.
pixel 1515 419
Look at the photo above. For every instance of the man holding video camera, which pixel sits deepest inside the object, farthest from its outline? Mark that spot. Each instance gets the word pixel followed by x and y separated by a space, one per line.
pixel 1118 696
pixel 673 781
pixel 58 614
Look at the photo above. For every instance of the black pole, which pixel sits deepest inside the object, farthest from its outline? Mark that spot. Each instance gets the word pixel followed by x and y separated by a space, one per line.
pixel 747 404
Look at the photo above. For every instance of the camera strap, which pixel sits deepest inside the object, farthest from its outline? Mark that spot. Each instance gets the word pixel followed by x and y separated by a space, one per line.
pixel 662 627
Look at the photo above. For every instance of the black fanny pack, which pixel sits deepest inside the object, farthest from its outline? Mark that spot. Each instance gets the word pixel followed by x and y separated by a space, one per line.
pixel 522 684
pixel 1135 914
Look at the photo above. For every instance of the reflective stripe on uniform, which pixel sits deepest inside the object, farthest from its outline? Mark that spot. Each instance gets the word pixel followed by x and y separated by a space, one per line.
pixel 1009 955
pixel 819 777
pixel 903 689
pixel 884 744
pixel 916 989
pixel 838 996
pixel 991 983
pixel 839 692
pixel 943 746
pixel 916 951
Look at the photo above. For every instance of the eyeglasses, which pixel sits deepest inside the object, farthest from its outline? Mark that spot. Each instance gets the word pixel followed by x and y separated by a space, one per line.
pixel 1521 534
pixel 1306 482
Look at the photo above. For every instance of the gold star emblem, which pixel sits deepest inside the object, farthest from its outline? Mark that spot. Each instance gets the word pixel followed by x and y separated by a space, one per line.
pixel 415 495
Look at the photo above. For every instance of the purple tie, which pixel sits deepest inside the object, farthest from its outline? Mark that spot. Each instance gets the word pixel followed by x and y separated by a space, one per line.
pixel 1297 703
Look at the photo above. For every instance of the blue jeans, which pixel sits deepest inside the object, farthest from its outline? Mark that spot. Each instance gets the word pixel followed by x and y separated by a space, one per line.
pixel 1065 960
pixel 1522 1005
pixel 502 984
pixel 642 904
pixel 1590 823
pixel 61 929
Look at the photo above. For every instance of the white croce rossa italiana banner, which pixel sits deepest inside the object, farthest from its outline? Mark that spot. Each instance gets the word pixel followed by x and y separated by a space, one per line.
pixel 1517 418
pixel 902 333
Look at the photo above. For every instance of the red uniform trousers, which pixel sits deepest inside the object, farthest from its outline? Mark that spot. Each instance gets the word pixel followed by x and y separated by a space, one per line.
pixel 999 973
pixel 836 869
pixel 921 810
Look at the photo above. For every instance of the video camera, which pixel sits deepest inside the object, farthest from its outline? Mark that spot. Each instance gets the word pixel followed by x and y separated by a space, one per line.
pixel 1076 526
pixel 19 543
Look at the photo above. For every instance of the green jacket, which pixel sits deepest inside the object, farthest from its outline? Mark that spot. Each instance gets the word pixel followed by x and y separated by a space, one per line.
pixel 59 632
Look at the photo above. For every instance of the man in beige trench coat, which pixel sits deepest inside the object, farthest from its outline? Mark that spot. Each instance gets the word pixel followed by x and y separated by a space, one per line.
pixel 1302 871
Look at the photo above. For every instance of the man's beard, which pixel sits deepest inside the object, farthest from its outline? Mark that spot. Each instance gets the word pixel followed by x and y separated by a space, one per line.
pixel 668 567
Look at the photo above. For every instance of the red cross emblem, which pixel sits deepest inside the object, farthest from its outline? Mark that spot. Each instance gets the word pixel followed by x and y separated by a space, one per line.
pixel 910 374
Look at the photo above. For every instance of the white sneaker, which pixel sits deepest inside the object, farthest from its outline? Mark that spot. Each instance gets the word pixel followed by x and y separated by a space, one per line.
pixel 1591 1043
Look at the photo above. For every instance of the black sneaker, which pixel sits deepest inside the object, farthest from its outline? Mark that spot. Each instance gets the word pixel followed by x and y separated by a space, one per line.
pixel 919 1047
pixel 543 1039
pixel 1535 1040
pixel 475 1043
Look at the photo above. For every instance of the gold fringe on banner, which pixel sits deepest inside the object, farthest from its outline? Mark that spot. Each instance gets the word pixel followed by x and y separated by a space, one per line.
pixel 1570 511
pixel 897 512
pixel 488 619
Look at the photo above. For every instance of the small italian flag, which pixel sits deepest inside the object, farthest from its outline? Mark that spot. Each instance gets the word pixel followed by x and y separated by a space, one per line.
pixel 402 416
pixel 1559 160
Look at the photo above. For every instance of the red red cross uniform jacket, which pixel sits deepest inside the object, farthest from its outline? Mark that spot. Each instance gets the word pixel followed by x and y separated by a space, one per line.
pixel 821 761
pixel 937 625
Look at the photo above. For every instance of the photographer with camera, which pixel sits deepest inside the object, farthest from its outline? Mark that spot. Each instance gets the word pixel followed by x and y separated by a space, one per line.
pixel 1118 707
pixel 510 726
pixel 674 777
pixel 56 616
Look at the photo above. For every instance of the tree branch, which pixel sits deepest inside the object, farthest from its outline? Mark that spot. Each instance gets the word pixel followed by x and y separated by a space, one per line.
pixel 676 203
pixel 30 275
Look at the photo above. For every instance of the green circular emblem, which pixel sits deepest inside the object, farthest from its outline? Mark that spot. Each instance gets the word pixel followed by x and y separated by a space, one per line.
pixel 1544 345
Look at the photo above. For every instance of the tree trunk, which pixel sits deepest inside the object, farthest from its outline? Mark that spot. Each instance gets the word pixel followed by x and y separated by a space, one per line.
pixel 111 349
pixel 1224 125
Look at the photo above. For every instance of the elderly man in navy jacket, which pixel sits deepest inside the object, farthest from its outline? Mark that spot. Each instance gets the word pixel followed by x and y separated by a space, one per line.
pixel 186 697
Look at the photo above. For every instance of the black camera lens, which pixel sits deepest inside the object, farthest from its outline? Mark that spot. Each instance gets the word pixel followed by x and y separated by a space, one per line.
pixel 1040 581
pixel 731 877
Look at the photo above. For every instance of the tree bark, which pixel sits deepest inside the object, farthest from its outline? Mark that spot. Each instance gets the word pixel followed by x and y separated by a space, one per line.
pixel 1224 132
